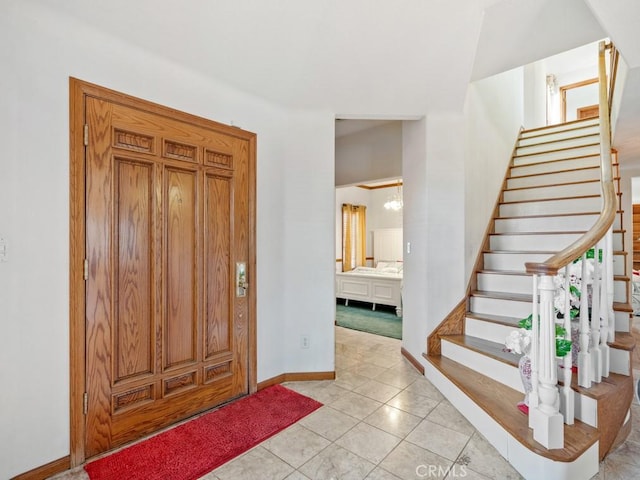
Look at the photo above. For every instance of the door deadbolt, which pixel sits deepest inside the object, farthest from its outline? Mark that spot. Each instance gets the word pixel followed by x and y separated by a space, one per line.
pixel 241 279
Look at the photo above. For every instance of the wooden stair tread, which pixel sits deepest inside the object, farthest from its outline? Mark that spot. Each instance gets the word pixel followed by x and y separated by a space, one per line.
pixel 546 185
pixel 501 319
pixel 554 232
pixel 506 272
pixel 519 297
pixel 549 252
pixel 558 232
pixel 609 385
pixel 548 215
pixel 623 341
pixel 550 199
pixel 557 140
pixel 622 307
pixel 524 155
pixel 491 349
pixel 499 402
pixel 571 126
pixel 595 167
pixel 544 162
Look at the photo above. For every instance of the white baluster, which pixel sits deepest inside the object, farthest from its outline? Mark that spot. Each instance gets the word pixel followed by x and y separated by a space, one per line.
pixel 567 405
pixel 584 357
pixel 596 359
pixel 548 424
pixel 605 310
pixel 533 396
pixel 611 334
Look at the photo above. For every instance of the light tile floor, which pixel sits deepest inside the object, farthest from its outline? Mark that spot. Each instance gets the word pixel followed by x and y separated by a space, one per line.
pixel 382 420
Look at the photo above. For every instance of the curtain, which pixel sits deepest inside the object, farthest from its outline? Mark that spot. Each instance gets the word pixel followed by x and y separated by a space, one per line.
pixel 354 238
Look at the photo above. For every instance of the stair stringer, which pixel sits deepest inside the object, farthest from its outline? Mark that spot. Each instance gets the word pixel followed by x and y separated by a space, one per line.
pixel 527 462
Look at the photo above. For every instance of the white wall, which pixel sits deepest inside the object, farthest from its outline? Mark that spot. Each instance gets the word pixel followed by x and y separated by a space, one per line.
pixel 415 232
pixel 309 286
pixel 40 50
pixel 535 95
pixel 494 114
pixel 375 153
pixel 434 224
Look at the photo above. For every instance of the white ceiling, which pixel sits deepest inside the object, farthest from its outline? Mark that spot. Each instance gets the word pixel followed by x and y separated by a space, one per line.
pixel 360 58
pixel 364 57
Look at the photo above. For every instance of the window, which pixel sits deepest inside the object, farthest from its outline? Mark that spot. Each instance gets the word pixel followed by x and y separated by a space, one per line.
pixel 354 224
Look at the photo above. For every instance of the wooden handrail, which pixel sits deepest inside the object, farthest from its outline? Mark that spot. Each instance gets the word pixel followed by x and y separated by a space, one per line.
pixel 614 56
pixel 609 207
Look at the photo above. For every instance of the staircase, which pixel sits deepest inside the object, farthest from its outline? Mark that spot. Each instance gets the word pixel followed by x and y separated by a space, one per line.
pixel 550 198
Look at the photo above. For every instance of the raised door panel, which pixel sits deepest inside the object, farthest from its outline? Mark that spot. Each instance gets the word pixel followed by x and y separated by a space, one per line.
pixel 218 322
pixel 181 292
pixel 134 320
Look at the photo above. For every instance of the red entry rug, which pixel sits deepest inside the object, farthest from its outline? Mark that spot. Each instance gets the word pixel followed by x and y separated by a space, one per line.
pixel 193 449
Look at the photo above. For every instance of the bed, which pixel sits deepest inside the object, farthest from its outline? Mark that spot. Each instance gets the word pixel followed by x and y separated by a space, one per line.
pixel 380 285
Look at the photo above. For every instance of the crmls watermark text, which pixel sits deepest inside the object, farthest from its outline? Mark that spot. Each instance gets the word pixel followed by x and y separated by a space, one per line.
pixel 454 471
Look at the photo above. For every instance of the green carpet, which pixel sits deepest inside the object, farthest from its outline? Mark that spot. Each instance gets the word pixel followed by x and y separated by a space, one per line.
pixel 359 316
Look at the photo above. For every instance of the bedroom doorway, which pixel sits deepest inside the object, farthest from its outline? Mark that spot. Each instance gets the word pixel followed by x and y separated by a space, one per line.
pixel 368 179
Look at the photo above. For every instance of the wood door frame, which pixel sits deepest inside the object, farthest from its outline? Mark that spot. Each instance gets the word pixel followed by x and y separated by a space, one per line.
pixel 79 90
pixel 563 94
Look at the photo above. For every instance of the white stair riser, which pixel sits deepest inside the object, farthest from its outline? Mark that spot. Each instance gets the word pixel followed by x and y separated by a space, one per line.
pixel 551 207
pixel 581 175
pixel 555 191
pixel 565 127
pixel 620 361
pixel 512 261
pixel 571 223
pixel 557 155
pixel 495 282
pixel 494 332
pixel 619 264
pixel 499 306
pixel 515 261
pixel 551 137
pixel 495 369
pixel 586 409
pixel 541 242
pixel 515 242
pixel 509 283
pixel 527 462
pixel 620 291
pixel 622 321
pixel 557 144
pixel 560 165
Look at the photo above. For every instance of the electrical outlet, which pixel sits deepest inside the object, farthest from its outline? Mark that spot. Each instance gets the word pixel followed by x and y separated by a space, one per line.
pixel 304 341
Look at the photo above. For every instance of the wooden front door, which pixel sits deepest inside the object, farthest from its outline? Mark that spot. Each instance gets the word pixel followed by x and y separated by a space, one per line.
pixel 168 225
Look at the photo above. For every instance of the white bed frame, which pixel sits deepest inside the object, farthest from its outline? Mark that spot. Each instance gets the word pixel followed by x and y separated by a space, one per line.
pixel 374 288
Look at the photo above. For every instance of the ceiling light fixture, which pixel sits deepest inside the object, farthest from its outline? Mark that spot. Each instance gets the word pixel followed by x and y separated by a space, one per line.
pixel 394 202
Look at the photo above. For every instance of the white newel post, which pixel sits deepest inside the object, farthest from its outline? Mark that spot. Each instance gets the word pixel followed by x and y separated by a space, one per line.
pixel 548 424
pixel 584 357
pixel 533 396
pixel 567 405
pixel 596 359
